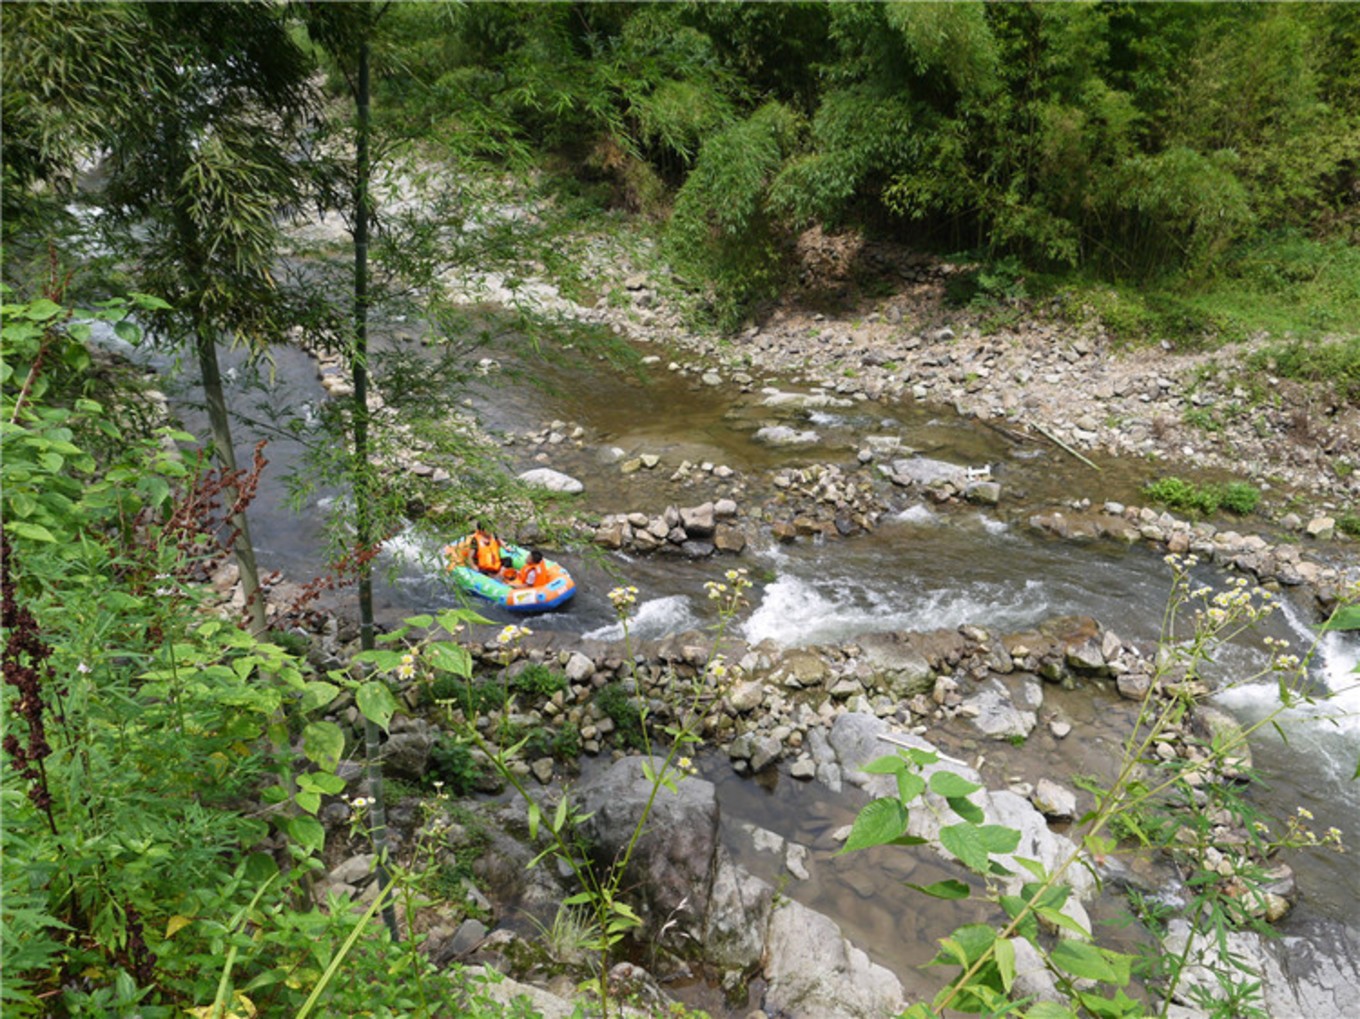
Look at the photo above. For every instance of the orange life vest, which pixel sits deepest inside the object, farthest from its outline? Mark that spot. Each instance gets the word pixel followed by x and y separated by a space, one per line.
pixel 488 552
pixel 538 575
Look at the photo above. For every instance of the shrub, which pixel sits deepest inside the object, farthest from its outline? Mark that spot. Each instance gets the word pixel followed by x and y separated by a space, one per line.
pixel 537 680
pixel 620 706
pixel 1237 496
pixel 472 698
pixel 563 744
pixel 452 762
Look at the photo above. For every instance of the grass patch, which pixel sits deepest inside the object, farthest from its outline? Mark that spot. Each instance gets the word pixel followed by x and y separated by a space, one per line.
pixel 1285 286
pixel 622 707
pixel 1236 496
pixel 453 763
pixel 1336 363
pixel 537 680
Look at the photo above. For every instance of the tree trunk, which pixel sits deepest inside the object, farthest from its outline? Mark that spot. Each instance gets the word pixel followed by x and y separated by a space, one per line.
pixel 363 523
pixel 226 452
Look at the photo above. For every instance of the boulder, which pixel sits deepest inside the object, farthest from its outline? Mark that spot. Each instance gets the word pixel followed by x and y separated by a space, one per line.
pixel 674 859
pixel 997 716
pixel 553 481
pixel 1054 800
pixel 783 435
pixel 739 907
pixel 698 521
pixel 407 754
pixel 812 970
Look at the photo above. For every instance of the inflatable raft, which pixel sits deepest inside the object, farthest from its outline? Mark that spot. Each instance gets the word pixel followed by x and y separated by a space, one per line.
pixel 554 594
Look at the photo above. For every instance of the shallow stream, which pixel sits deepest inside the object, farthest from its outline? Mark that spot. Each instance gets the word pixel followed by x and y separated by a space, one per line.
pixel 923 568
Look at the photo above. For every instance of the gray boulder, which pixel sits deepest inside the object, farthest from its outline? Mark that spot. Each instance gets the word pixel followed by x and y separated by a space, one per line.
pixel 814 972
pixel 997 716
pixel 783 435
pixel 673 862
pixel 553 481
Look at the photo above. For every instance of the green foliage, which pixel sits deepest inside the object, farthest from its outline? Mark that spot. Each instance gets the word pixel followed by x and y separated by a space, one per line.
pixel 1349 523
pixel 537 680
pixel 721 231
pixel 560 742
pixel 621 707
pixel 1335 363
pixel 1238 497
pixel 453 763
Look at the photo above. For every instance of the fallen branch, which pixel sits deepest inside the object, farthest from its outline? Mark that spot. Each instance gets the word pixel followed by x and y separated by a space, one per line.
pixel 1064 446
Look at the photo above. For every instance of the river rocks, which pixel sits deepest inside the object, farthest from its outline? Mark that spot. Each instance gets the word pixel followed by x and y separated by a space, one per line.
pixel 1297 979
pixel 995 715
pixel 1054 801
pixel 1321 528
pixel 813 970
pixel 739 906
pixel 553 481
pixel 783 435
pixel 692 531
pixel 674 857
pixel 406 753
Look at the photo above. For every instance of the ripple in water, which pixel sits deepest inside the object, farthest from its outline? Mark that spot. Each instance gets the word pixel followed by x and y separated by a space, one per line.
pixel 655 618
pixel 794 612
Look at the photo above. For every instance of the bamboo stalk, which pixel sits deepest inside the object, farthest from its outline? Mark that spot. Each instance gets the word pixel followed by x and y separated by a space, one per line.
pixel 1064 446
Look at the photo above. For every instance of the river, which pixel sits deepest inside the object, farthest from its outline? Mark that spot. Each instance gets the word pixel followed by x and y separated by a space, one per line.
pixel 922 568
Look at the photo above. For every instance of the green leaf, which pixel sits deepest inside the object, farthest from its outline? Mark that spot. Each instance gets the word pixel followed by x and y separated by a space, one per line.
pixel 1347 617
pixel 1004 954
pixel 965 843
pixel 892 764
pixel 308 801
pixel 376 703
pixel 317 694
pixel 997 838
pixel 453 620
pixel 966 809
pixel 384 660
pixel 33 532
pixel 450 657
pixel 878 823
pixel 909 786
pixel 947 889
pixel 149 302
pixel 1049 1010
pixel 308 833
pixel 949 785
pixel 21 504
pixel 259 868
pixel 534 815
pixel 321 782
pixel 1081 960
pixel 127 331
pixel 323 742
pixel 41 310
pixel 1028 928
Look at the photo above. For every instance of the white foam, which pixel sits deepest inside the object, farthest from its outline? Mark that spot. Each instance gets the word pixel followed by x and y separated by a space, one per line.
pixel 654 618
pixel 794 612
pixel 919 514
pixel 992 525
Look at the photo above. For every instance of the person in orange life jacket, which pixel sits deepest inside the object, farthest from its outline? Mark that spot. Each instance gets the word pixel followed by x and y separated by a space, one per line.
pixel 536 572
pixel 486 551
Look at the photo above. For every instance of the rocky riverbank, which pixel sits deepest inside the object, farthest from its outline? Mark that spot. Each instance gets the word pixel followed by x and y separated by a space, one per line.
pixel 969 691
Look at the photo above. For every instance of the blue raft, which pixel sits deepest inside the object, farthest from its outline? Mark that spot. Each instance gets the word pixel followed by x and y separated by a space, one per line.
pixel 554 594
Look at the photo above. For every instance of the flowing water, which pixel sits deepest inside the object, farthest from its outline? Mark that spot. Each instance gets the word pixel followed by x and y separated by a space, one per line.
pixel 923 568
